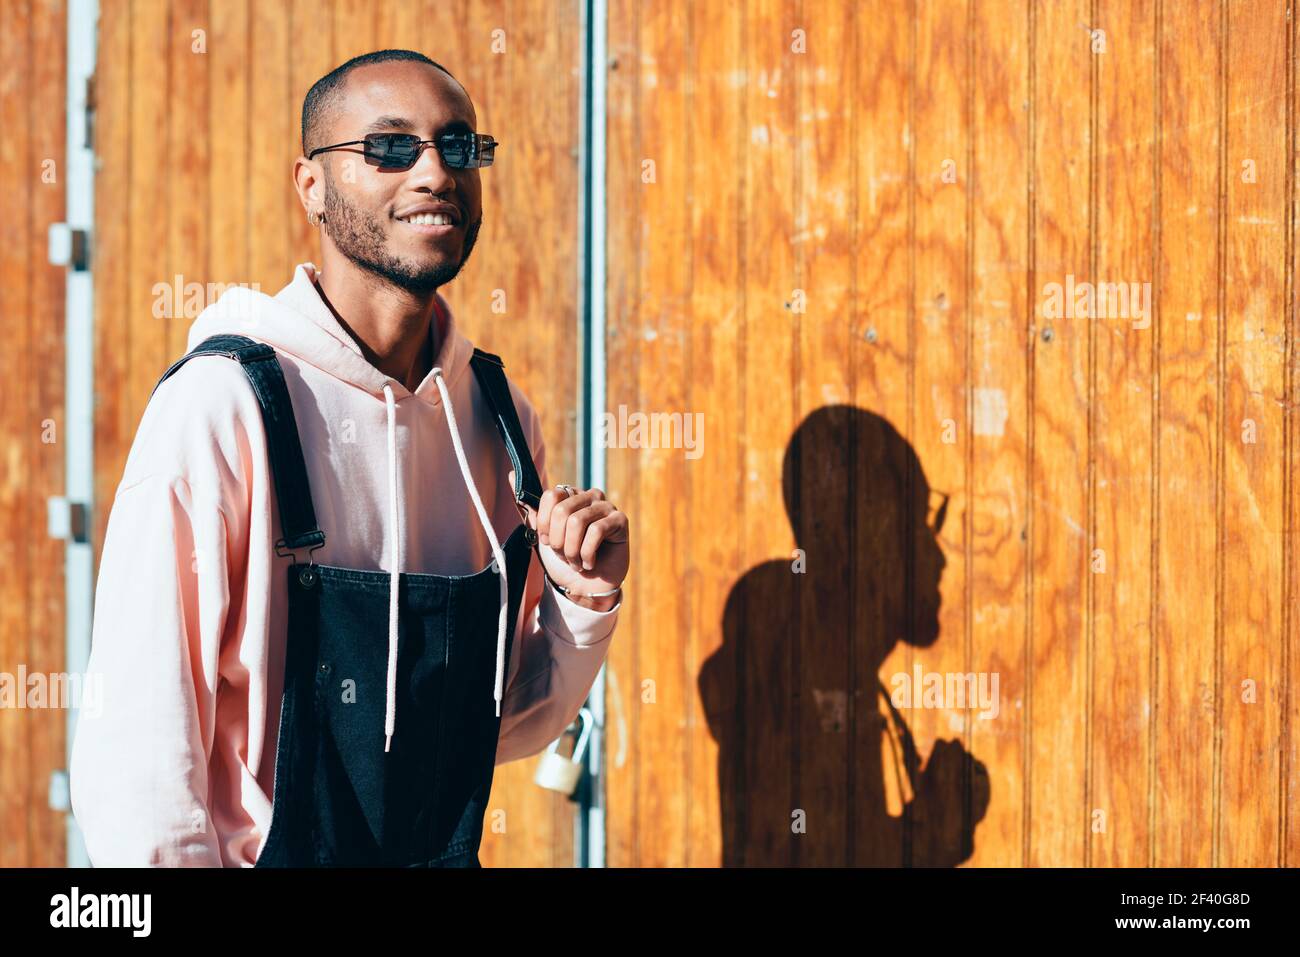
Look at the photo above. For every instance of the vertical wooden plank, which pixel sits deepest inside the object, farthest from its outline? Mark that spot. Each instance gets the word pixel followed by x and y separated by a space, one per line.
pixel 1253 441
pixel 151 51
pixel 999 378
pixel 188 179
pixel 549 344
pixel 18 181
pixel 715 114
pixel 354 28
pixel 1291 650
pixel 272 146
pixel 1059 437
pixel 397 27
pixel 661 375
pixel 314 56
pixel 936 635
pixel 623 758
pixel 770 796
pixel 1185 292
pixel 113 432
pixel 229 126
pixel 1123 55
pixel 824 240
pixel 43 384
pixel 882 354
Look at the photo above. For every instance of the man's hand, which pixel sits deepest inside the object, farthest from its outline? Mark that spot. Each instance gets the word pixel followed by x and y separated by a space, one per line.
pixel 583 542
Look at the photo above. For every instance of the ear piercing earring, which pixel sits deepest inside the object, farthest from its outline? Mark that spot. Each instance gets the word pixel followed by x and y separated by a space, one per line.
pixel 315 218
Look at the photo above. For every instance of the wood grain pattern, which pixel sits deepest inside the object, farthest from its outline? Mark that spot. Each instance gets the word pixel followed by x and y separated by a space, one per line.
pixel 1124 466
pixel 998 478
pixel 1188 316
pixel 113 431
pixel 941 435
pixel 884 760
pixel 45 429
pixel 1111 549
pixel 715 196
pixel 1060 540
pixel 1254 348
pixel 1290 797
pixel 661 370
pixel 32 183
pixel 627 773
pixel 824 241
pixel 771 800
pixel 809 272
pixel 17 181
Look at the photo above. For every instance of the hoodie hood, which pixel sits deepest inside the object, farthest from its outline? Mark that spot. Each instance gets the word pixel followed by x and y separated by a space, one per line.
pixel 321 341
pixel 297 321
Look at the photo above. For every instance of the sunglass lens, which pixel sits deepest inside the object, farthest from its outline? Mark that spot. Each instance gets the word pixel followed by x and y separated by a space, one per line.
pixel 403 151
pixel 392 150
pixel 457 149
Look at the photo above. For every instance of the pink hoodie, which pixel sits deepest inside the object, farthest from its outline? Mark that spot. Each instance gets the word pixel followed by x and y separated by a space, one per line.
pixel 191 601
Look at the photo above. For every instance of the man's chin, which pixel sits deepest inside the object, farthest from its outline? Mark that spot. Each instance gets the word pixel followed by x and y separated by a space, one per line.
pixel 403 276
pixel 426 277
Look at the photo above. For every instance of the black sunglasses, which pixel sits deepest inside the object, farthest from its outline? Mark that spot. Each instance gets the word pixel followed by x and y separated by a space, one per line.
pixel 399 151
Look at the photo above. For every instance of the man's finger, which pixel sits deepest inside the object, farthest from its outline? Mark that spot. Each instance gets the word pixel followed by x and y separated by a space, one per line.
pixel 597 533
pixel 575 529
pixel 565 505
pixel 544 508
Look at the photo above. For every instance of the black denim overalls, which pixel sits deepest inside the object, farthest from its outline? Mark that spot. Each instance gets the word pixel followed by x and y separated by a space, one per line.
pixel 339 798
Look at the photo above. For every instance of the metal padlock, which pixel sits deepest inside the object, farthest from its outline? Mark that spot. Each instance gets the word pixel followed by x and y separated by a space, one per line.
pixel 555 772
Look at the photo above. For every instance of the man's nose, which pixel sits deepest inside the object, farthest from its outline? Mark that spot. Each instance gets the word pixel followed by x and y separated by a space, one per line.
pixel 430 170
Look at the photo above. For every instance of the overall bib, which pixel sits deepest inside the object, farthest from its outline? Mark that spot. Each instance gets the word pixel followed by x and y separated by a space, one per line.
pixel 340 799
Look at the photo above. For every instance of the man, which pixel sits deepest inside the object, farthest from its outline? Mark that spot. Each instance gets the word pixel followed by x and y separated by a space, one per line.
pixel 317 613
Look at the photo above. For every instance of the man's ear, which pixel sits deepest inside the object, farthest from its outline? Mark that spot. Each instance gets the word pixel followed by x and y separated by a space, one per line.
pixel 308 183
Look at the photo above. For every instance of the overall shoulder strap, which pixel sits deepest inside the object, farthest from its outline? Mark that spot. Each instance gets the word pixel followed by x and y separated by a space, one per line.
pixel 491 374
pixel 297 515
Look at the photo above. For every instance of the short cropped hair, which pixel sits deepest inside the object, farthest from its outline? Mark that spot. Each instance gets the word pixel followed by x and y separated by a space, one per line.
pixel 325 93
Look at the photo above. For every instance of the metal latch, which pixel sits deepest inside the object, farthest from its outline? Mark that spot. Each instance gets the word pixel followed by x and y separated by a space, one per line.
pixel 67 519
pixel 69 247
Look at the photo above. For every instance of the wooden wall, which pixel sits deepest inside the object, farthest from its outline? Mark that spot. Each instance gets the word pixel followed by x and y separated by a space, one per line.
pixel 197 152
pixel 839 256
pixel 32 196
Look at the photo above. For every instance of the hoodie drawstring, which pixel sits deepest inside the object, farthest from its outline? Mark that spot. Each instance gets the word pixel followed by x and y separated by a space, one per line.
pixel 497 554
pixel 499 558
pixel 394 567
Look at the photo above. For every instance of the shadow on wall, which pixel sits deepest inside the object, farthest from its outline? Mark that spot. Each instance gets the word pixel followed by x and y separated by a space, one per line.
pixel 786 761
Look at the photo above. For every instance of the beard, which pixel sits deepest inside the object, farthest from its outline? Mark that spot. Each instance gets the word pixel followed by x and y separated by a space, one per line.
pixel 360 236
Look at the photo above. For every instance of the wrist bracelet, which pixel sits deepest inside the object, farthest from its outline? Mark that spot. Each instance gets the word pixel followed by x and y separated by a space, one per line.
pixel 577 594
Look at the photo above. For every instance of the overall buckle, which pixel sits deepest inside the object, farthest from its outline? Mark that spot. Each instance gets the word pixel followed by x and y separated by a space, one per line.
pixel 307 575
pixel 530 533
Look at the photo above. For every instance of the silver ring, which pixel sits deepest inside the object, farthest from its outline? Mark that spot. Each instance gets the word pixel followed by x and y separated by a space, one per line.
pixel 567 488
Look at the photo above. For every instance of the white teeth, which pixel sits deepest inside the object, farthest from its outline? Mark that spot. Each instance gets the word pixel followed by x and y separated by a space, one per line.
pixel 428 219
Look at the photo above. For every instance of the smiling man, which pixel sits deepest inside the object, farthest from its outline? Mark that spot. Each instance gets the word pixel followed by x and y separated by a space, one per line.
pixel 318 616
